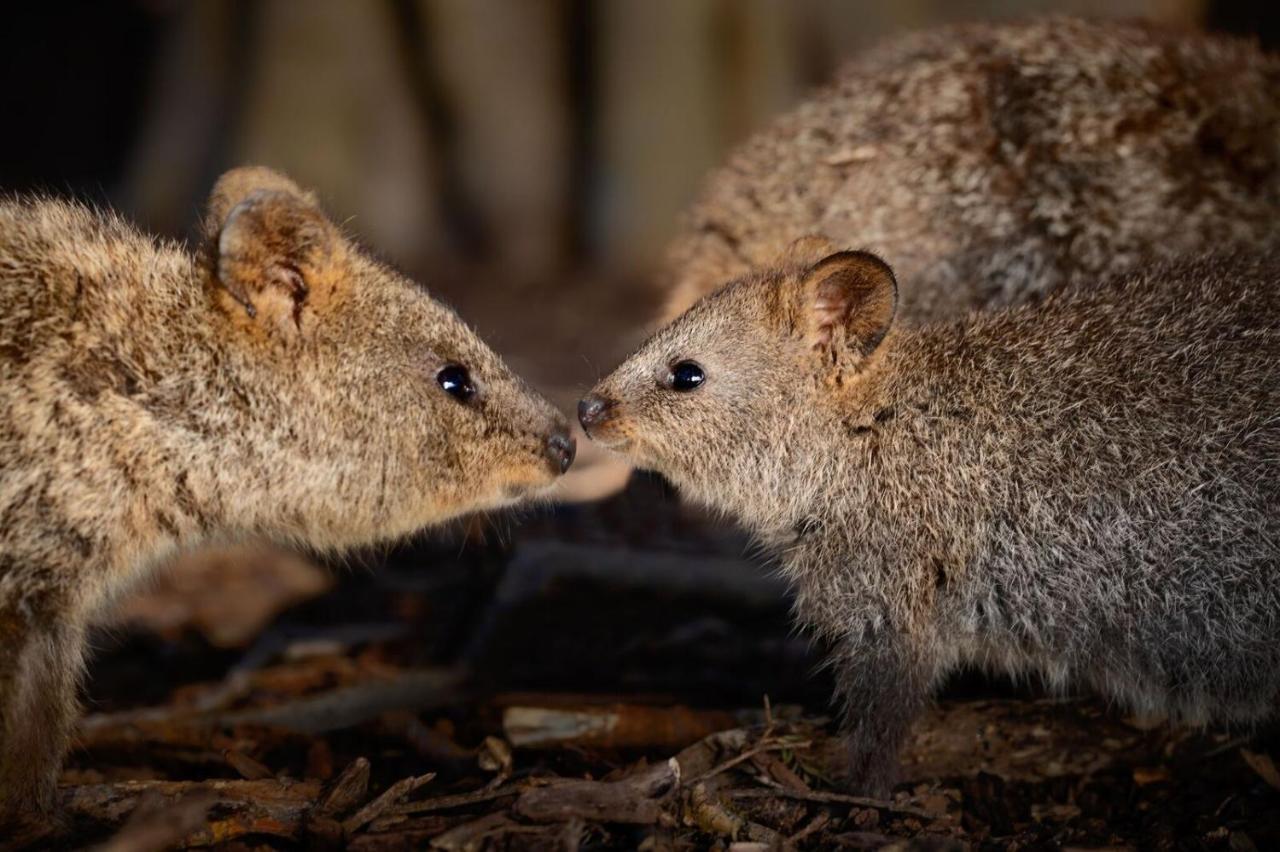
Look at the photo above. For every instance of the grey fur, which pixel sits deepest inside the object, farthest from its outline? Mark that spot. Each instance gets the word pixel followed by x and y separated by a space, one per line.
pixel 1087 490
pixel 994 163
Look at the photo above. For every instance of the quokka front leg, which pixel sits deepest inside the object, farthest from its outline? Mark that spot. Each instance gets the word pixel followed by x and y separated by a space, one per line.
pixel 882 681
pixel 40 667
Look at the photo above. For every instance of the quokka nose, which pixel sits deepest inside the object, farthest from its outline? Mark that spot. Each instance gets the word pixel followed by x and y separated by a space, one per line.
pixel 592 410
pixel 561 449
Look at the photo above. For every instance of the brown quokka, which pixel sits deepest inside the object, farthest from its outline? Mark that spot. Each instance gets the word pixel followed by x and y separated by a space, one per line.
pixel 280 383
pixel 995 163
pixel 1084 490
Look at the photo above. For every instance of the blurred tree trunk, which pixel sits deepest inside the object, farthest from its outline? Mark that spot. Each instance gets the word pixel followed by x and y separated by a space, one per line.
pixel 195 97
pixel 330 105
pixel 681 81
pixel 659 114
pixel 503 65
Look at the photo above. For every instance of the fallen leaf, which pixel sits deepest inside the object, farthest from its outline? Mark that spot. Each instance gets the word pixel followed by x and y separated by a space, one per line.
pixel 1263 765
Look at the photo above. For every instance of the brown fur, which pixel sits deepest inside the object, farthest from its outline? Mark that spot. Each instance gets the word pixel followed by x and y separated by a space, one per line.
pixel 1085 490
pixel 281 384
pixel 995 163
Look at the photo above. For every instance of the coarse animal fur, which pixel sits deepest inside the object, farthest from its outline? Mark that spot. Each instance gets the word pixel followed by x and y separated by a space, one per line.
pixel 995 163
pixel 279 383
pixel 1085 489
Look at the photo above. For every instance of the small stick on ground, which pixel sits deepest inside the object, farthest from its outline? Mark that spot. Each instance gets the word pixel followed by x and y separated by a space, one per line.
pixel 838 798
pixel 385 802
pixel 442 803
pixel 747 755
pixel 819 822
pixel 248 768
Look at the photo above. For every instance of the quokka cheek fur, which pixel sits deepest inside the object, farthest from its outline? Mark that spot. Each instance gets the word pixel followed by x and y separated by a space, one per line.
pixel 1082 491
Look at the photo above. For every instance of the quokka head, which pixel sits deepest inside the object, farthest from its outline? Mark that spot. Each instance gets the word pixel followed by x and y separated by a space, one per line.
pixel 725 399
pixel 378 410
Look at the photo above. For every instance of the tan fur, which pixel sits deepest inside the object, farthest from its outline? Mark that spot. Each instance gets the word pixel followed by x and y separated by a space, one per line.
pixel 281 383
pixel 1083 490
pixel 995 163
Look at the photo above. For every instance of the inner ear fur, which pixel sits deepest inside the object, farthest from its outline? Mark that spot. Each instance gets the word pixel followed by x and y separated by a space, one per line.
pixel 851 298
pixel 271 245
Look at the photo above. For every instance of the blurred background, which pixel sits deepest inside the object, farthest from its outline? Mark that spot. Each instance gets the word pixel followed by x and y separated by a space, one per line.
pixel 526 160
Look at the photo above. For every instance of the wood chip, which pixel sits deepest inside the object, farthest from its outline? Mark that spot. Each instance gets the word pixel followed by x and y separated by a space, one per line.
pixel 772 767
pixel 155 825
pixel 249 769
pixel 1263 765
pixel 611 726
pixel 748 755
pixel 441 803
pixel 392 796
pixel 240 808
pixel 470 835
pixel 346 791
pixel 596 801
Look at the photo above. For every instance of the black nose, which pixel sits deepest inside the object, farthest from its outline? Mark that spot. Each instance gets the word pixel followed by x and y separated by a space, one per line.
pixel 593 409
pixel 561 449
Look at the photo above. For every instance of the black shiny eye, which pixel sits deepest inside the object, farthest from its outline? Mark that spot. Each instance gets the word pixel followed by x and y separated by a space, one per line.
pixel 456 382
pixel 686 376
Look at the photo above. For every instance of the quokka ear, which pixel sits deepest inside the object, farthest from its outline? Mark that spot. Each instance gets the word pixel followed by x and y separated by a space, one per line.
pixel 851 298
pixel 238 184
pixel 807 249
pixel 272 247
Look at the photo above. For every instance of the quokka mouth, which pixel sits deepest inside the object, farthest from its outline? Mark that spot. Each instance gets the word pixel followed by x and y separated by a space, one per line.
pixel 613 443
pixel 533 487
pixel 520 490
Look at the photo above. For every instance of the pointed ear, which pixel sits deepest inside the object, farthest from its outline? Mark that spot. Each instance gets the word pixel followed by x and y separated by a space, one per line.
pixel 850 300
pixel 271 247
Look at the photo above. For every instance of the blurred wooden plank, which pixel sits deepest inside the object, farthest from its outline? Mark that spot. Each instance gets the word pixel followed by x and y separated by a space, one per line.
pixel 611 726
pixel 194 95
pixel 330 105
pixel 762 70
pixel 502 65
pixel 659 128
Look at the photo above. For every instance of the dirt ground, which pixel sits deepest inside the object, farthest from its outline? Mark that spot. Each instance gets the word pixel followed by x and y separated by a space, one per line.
pixel 613 676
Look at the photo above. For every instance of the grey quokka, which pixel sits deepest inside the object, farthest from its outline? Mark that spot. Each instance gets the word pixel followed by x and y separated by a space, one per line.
pixel 1085 490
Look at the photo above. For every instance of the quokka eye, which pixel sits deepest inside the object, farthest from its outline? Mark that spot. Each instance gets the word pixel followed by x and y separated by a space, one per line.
pixel 456 381
pixel 687 376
